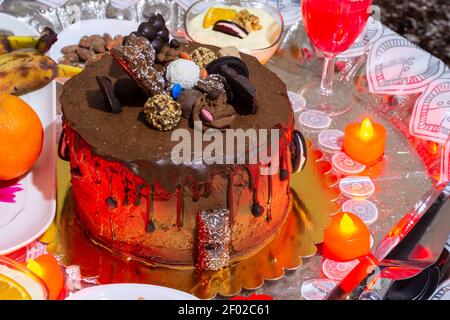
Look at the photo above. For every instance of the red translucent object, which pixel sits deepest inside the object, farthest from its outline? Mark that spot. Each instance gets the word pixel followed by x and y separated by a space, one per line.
pixel 333 25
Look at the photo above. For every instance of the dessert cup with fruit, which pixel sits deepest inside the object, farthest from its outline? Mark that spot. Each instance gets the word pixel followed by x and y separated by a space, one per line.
pixel 253 27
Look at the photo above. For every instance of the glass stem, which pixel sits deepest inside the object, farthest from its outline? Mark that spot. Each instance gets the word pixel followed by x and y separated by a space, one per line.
pixel 326 85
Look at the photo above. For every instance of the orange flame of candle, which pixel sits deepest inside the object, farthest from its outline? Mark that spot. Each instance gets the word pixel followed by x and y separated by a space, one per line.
pixel 366 129
pixel 347 225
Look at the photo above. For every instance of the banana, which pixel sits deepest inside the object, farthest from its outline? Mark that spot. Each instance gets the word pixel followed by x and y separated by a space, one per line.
pixel 21 42
pixel 5 47
pixel 24 70
pixel 66 71
pixel 42 43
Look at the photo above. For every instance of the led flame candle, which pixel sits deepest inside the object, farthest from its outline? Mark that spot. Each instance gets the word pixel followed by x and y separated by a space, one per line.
pixel 365 141
pixel 346 238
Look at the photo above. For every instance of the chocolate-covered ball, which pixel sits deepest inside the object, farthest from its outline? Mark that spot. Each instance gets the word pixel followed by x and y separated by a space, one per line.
pixel 157 44
pixel 162 112
pixel 158 21
pixel 147 30
pixel 163 34
pixel 174 43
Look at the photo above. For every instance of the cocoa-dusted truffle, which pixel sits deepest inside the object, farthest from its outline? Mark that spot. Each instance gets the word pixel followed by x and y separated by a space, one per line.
pixel 203 56
pixel 162 112
pixel 142 44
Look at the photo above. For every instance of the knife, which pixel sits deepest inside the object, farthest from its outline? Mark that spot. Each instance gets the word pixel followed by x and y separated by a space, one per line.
pixel 413 245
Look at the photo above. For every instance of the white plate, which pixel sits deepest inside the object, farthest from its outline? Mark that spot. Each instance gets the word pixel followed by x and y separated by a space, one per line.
pixel 73 33
pixel 130 291
pixel 24 221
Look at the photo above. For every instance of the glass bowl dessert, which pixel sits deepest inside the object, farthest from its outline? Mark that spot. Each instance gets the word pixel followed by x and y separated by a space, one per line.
pixel 253 27
pixel 18 283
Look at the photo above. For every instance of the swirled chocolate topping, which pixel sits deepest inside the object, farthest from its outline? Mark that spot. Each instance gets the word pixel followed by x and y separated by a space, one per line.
pixel 214 113
pixel 126 138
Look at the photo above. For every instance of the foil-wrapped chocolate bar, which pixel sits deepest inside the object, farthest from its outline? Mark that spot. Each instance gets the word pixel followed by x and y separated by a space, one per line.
pixel 213 239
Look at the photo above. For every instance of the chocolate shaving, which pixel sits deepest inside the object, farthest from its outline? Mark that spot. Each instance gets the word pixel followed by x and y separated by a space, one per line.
pixel 106 86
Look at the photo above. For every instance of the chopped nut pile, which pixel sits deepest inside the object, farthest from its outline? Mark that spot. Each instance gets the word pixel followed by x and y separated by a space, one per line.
pixel 249 21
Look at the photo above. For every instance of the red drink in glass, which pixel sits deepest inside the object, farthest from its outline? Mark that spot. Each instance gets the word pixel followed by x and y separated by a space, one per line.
pixel 333 25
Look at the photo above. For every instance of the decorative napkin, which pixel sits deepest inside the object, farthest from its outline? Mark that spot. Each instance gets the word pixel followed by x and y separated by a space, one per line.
pixel 397 66
pixel 431 116
pixel 442 292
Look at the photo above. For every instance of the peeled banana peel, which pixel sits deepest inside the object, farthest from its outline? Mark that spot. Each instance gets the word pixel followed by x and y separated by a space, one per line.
pixel 25 70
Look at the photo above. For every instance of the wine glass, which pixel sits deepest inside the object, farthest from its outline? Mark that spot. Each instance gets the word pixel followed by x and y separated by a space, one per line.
pixel 332 26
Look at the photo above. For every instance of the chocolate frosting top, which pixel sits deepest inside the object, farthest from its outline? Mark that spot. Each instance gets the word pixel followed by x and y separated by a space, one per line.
pixel 147 152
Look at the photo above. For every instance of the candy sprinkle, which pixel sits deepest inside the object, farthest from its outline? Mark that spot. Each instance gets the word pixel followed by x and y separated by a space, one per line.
pixel 176 90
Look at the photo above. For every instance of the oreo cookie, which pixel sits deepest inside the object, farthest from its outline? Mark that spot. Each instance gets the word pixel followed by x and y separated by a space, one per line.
pixel 233 62
pixel 298 151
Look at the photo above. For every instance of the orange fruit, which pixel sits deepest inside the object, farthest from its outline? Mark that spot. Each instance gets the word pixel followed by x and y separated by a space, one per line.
pixel 11 290
pixel 215 14
pixel 48 269
pixel 21 137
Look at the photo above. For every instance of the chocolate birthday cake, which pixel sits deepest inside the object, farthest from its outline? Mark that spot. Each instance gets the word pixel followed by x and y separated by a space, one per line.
pixel 120 116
